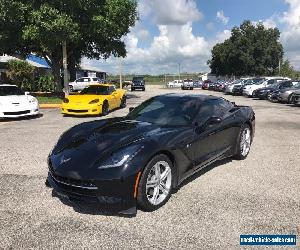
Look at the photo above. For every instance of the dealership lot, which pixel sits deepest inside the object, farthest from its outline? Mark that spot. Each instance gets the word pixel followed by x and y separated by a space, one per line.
pixel 259 195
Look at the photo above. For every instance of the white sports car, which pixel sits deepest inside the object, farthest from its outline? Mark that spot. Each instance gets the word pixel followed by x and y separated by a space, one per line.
pixel 15 103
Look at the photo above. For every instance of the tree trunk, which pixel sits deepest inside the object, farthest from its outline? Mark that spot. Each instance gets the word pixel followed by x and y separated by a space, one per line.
pixel 72 68
pixel 56 74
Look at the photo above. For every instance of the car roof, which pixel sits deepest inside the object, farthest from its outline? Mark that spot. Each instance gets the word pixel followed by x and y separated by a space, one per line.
pixel 191 96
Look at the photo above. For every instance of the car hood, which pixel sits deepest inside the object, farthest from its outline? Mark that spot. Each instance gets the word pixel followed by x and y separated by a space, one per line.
pixel 85 99
pixel 96 140
pixel 12 99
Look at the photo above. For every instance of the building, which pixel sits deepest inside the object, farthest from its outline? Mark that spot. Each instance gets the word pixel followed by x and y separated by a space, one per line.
pixel 41 69
pixel 44 68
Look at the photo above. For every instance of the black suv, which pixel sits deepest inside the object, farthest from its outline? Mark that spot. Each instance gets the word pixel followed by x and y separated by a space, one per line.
pixel 138 82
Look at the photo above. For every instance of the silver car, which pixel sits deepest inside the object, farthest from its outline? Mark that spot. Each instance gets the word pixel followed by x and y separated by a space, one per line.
pixel 295 98
pixel 286 94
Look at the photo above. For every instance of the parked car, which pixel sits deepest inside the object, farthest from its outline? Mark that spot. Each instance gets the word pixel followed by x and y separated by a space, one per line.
pixel 97 99
pixel 187 84
pixel 206 84
pixel 261 83
pixel 142 157
pixel 16 103
pixel 264 93
pixel 138 82
pixel 284 95
pixel 295 98
pixel 175 84
pixel 229 87
pixel 80 83
pixel 198 84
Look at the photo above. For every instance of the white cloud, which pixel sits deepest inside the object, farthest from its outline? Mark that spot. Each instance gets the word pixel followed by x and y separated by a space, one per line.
pixel 170 12
pixel 290 35
pixel 222 17
pixel 222 36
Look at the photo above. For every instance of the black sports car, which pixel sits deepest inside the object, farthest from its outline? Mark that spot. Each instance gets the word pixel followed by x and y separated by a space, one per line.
pixel 142 157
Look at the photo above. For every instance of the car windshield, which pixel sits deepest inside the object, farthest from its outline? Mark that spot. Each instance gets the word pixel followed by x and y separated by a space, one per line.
pixel 297 85
pixel 162 111
pixel 10 90
pixel 137 79
pixel 95 90
pixel 260 82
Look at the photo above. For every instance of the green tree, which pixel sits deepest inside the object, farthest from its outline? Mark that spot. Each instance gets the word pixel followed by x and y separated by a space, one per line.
pixel 21 73
pixel 91 28
pixel 250 50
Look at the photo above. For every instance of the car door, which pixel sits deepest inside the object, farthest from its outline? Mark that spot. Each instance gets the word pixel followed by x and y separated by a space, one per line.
pixel 86 81
pixel 115 97
pixel 213 140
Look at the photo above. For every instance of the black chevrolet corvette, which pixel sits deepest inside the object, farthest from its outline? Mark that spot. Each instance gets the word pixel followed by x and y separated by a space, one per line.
pixel 140 158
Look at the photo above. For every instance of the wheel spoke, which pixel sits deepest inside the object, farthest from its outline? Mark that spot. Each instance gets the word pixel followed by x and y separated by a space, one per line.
pixel 165 174
pixel 155 195
pixel 150 184
pixel 164 189
pixel 157 171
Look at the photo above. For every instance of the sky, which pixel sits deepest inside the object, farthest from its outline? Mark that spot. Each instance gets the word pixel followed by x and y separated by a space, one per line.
pixel 173 34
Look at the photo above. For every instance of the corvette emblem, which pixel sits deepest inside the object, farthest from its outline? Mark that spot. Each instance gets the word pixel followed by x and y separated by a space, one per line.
pixel 64 160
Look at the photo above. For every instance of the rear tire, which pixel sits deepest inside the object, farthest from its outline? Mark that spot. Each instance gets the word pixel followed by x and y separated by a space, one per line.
pixel 155 186
pixel 244 143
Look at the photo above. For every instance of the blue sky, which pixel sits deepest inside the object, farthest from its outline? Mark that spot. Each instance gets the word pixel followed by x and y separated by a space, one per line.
pixel 184 31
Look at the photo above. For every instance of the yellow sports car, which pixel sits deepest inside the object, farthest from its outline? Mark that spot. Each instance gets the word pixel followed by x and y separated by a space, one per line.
pixel 96 99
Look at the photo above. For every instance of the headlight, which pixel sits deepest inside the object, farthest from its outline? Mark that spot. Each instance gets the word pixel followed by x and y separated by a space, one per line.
pixel 66 100
pixel 33 100
pixel 121 157
pixel 94 101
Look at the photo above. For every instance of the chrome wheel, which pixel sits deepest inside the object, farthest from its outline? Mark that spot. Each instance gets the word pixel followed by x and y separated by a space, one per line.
pixel 158 183
pixel 245 142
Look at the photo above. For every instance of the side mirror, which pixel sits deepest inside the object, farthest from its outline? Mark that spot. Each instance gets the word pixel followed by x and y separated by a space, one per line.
pixel 213 120
pixel 27 93
pixel 131 108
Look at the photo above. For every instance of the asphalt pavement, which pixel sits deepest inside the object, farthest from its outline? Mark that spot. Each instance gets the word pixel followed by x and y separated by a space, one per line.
pixel 260 195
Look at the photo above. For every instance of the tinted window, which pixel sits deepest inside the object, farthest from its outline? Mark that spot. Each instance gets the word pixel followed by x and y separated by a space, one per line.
pixel 213 107
pixel 95 90
pixel 166 111
pixel 95 79
pixel 10 90
pixel 86 79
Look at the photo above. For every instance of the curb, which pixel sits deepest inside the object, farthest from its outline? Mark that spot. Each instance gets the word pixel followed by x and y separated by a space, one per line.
pixel 50 106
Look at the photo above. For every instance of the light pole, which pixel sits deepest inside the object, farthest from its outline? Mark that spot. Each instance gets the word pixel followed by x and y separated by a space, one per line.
pixel 179 70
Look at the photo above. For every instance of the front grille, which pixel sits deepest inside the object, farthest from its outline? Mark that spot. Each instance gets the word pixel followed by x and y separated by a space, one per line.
pixel 72 182
pixel 78 111
pixel 17 113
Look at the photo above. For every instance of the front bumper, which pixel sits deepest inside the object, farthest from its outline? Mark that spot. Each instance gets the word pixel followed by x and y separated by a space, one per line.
pixel 118 195
pixel 247 92
pixel 16 113
pixel 81 110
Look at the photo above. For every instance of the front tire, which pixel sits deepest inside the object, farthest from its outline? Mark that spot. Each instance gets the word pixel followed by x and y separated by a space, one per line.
pixel 155 186
pixel 105 108
pixel 123 102
pixel 244 143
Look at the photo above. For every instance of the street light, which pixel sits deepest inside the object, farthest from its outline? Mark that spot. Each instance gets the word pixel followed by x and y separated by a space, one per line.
pixel 179 70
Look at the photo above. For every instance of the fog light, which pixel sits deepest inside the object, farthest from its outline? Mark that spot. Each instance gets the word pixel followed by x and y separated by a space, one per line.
pixel 94 110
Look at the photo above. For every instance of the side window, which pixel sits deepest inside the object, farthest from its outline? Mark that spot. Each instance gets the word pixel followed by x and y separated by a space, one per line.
pixel 95 79
pixel 113 88
pixel 270 82
pixel 79 80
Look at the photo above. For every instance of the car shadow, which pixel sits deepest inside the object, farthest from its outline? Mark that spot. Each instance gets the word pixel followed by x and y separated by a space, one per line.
pixel 24 118
pixel 93 208
pixel 132 96
pixel 202 172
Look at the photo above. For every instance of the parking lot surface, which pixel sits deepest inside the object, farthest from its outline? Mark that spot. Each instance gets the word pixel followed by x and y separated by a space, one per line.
pixel 260 195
